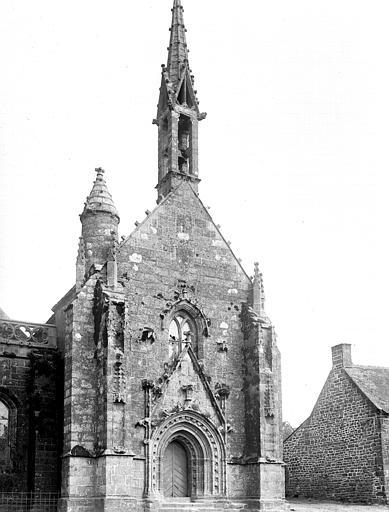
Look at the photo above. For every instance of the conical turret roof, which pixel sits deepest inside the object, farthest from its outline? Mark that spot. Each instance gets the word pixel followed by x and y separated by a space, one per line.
pixel 99 199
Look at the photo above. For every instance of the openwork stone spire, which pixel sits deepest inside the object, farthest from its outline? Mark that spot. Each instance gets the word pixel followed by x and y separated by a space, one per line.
pixel 178 113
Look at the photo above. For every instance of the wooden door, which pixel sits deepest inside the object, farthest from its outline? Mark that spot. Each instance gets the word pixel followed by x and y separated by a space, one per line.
pixel 175 471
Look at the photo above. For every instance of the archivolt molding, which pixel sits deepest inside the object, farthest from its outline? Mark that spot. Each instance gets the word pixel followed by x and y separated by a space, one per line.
pixel 205 448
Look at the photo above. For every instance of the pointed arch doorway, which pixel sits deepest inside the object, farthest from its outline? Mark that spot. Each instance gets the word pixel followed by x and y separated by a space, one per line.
pixel 187 453
pixel 175 471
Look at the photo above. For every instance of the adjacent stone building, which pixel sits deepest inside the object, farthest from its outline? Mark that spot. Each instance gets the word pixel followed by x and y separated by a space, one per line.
pixel 342 450
pixel 31 405
pixel 172 378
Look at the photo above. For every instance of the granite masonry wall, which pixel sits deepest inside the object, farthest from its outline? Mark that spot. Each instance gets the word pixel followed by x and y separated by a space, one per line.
pixel 123 381
pixel 337 452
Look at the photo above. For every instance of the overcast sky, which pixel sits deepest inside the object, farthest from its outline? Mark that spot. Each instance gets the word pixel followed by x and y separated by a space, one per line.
pixel 293 154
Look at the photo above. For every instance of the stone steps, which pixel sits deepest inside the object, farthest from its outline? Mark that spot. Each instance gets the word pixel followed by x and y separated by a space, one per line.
pixel 200 506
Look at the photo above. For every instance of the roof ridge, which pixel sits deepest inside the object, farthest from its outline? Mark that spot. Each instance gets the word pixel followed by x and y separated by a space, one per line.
pixel 368 367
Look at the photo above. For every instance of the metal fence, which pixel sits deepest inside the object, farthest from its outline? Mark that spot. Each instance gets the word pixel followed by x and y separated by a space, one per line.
pixel 28 501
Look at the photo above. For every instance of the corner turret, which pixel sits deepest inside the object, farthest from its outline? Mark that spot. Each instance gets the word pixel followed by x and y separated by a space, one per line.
pixel 100 222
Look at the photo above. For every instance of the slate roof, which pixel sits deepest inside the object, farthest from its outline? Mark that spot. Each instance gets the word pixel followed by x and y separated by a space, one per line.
pixel 373 381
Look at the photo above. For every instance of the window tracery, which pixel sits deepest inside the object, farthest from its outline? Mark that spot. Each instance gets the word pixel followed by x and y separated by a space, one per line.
pixel 182 330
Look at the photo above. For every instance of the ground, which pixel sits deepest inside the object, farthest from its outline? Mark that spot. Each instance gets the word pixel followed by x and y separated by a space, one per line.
pixel 331 506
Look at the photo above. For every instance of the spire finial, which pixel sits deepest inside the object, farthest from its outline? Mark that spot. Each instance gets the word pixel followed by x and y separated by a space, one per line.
pixel 100 173
pixel 178 52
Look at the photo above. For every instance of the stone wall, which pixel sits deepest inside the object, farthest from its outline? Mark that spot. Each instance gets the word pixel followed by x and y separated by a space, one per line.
pixel 336 452
pixel 122 380
pixel 175 255
pixel 385 453
pixel 31 388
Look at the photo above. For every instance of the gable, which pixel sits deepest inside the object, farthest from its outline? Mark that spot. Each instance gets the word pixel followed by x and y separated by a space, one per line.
pixel 181 231
pixel 373 382
pixel 185 93
pixel 163 98
pixel 187 388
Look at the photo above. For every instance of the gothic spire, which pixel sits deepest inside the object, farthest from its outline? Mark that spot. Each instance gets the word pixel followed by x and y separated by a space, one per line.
pixel 178 113
pixel 178 51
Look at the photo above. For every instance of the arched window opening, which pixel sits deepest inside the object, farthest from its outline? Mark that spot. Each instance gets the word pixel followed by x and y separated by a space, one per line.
pixel 184 144
pixel 182 330
pixel 4 433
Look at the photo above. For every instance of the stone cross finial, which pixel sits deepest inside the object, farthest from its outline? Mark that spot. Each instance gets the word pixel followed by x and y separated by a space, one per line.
pixel 100 173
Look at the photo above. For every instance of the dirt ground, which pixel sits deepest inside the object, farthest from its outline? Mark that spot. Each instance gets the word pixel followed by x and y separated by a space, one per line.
pixel 328 506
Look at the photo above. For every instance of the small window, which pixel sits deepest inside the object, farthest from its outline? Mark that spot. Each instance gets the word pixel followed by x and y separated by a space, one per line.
pixel 182 330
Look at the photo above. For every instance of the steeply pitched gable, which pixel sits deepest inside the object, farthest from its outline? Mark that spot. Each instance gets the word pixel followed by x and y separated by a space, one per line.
pixel 177 199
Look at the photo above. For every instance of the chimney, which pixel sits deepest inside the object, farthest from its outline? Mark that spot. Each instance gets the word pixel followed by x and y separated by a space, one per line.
pixel 341 355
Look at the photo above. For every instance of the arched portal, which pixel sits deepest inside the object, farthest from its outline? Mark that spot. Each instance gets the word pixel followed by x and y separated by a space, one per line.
pixel 198 448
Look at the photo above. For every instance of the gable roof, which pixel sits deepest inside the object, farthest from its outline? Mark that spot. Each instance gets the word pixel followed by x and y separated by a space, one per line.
pixel 373 381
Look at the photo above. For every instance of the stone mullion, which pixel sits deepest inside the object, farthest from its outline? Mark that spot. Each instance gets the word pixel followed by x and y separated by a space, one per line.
pixel 173 146
pixel 194 145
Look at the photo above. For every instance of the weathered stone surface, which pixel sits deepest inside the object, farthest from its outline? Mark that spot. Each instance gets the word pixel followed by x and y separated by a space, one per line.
pixel 30 388
pixel 165 342
pixel 341 450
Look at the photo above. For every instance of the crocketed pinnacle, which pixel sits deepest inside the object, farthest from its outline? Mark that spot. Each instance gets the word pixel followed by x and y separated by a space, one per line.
pixel 100 200
pixel 258 291
pixel 178 51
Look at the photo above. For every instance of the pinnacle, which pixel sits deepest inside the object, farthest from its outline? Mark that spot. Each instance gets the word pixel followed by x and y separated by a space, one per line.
pixel 99 199
pixel 178 51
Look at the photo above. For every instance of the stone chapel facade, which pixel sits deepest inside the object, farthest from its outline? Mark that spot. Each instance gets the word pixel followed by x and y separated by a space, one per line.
pixel 172 378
